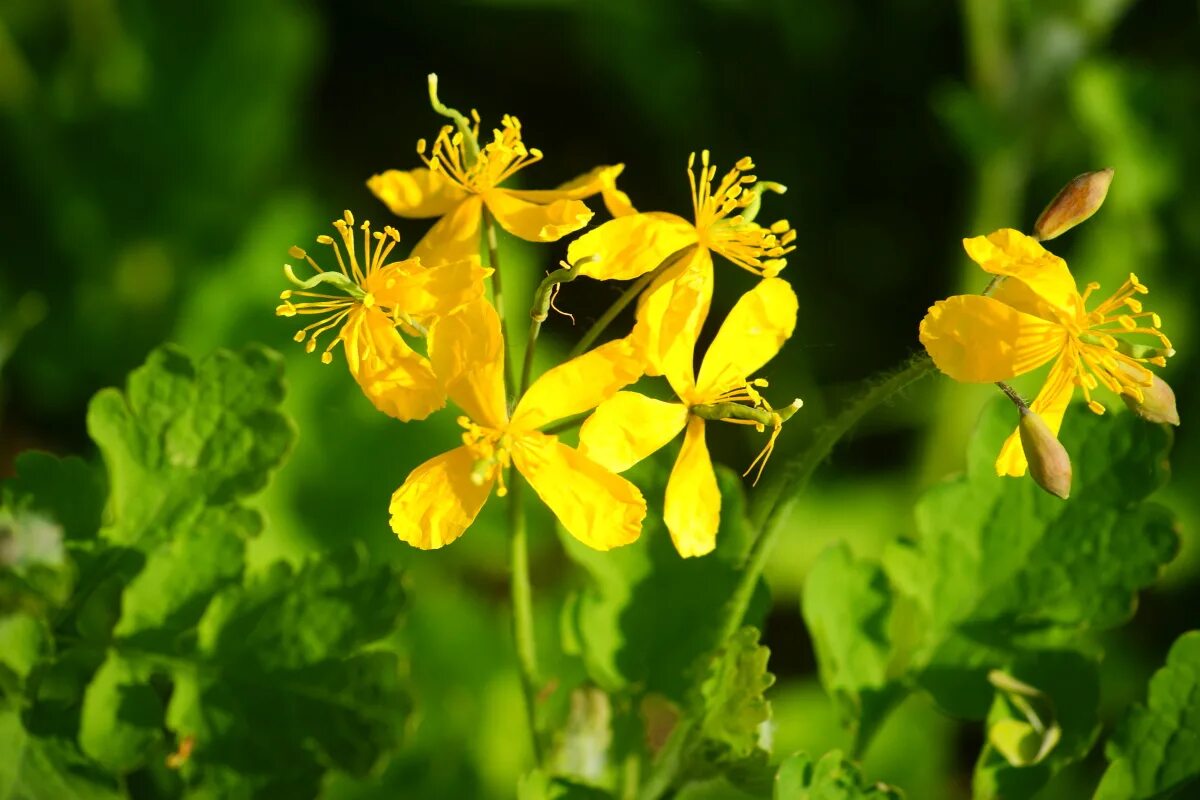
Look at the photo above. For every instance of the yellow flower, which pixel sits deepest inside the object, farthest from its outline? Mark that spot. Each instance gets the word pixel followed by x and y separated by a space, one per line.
pixel 375 298
pixel 441 498
pixel 456 183
pixel 629 426
pixel 1035 314
pixel 674 306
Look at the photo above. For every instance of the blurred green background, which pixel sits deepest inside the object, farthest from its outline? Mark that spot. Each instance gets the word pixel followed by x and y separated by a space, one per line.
pixel 157 160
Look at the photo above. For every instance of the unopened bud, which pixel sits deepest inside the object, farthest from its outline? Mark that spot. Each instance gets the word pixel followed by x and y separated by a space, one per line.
pixel 1077 201
pixel 1157 403
pixel 1049 464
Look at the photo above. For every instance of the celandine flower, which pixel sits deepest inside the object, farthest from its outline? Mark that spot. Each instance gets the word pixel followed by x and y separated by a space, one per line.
pixel 1034 314
pixel 629 426
pixel 375 298
pixel 457 182
pixel 674 306
pixel 441 498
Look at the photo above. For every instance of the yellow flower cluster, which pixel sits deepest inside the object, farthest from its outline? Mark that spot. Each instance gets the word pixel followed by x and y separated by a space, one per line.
pixel 421 330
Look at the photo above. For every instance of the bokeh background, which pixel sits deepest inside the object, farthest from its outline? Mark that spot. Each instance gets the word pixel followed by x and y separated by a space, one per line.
pixel 157 160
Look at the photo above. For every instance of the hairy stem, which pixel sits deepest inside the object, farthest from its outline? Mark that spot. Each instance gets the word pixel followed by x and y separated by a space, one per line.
pixel 522 609
pixel 493 247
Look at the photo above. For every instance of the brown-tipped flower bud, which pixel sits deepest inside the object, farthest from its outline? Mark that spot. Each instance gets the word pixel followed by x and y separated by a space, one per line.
pixel 1049 464
pixel 1077 201
pixel 1157 403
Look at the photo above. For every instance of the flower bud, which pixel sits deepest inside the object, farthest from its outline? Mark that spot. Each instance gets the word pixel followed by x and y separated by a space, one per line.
pixel 1157 403
pixel 1049 464
pixel 1077 201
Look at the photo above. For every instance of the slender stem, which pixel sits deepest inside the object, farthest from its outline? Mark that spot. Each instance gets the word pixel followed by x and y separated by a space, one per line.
pixel 537 315
pixel 624 300
pixel 522 609
pixel 489 233
pixel 789 481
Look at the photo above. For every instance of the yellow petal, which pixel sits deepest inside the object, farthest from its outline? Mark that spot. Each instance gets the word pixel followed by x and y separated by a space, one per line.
pixel 757 326
pixel 578 385
pixel 630 246
pixel 670 314
pixel 438 500
pixel 537 223
pixel 692 508
pixel 416 193
pixel 629 427
pixel 977 339
pixel 468 357
pixel 428 292
pixel 1050 404
pixel 454 237
pixel 1012 253
pixel 579 188
pixel 596 506
pixel 397 379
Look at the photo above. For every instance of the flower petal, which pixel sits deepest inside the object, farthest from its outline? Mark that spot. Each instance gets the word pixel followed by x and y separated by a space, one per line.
pixel 438 500
pixel 393 376
pixel 533 222
pixel 630 246
pixel 416 193
pixel 670 314
pixel 1012 253
pixel 628 427
pixel 978 339
pixel 468 357
pixel 596 506
pixel 578 385
pixel 454 237
pixel 586 185
pixel 428 292
pixel 1050 404
pixel 757 326
pixel 692 508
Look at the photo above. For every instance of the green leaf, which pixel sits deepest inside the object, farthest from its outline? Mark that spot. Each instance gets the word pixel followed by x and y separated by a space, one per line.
pixel 122 714
pixel 644 621
pixel 831 778
pixel 186 433
pixel 540 785
pixel 734 705
pixel 1155 751
pixel 1000 567
pixel 37 768
pixel 68 490
pixel 847 607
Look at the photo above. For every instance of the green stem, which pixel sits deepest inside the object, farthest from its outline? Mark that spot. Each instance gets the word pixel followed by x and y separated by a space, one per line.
pixel 537 315
pixel 624 300
pixel 522 609
pixel 793 477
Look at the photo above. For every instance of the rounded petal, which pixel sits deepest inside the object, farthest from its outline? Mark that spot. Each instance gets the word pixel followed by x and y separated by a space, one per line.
pixel 630 246
pixel 578 385
pixel 454 237
pixel 978 339
pixel 1012 253
pixel 670 314
pixel 692 508
pixel 596 506
pixel 393 376
pixel 428 292
pixel 534 222
pixel 586 185
pixel 416 193
pixel 757 326
pixel 467 352
pixel 1050 404
pixel 438 500
pixel 629 427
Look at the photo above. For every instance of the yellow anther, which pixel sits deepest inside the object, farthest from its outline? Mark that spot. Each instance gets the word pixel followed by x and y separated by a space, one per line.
pixel 1096 407
pixel 296 252
pixel 348 216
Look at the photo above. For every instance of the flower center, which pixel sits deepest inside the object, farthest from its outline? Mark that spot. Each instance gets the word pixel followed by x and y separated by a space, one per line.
pixel 1103 359
pixel 495 162
pixel 491 450
pixel 352 281
pixel 724 221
